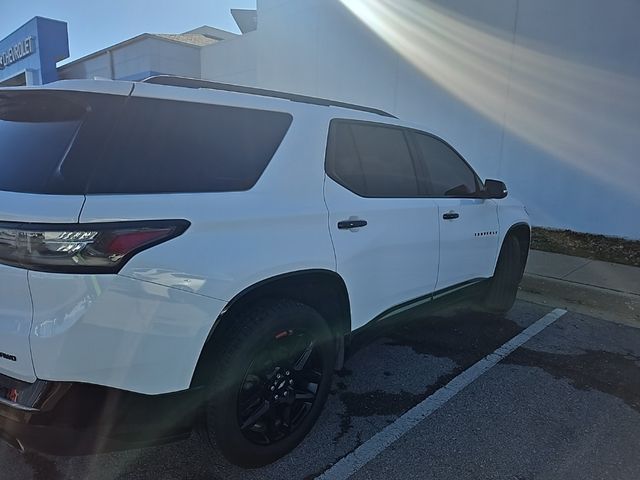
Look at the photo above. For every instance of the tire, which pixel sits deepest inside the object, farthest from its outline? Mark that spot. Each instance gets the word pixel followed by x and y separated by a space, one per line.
pixel 258 366
pixel 503 287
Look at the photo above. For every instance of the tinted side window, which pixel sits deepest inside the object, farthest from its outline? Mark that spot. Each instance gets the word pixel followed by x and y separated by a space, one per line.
pixel 31 153
pixel 449 174
pixel 372 160
pixel 169 146
pixel 40 138
pixel 347 166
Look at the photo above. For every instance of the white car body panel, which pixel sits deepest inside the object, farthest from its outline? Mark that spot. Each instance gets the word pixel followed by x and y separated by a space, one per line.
pixel 31 208
pixel 393 259
pixel 118 332
pixel 469 243
pixel 15 324
pixel 219 255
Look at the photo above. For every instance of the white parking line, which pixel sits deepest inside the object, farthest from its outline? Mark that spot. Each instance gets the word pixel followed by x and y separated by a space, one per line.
pixel 370 449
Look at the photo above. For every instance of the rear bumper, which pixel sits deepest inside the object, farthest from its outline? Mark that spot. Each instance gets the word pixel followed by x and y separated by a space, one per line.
pixel 117 331
pixel 78 419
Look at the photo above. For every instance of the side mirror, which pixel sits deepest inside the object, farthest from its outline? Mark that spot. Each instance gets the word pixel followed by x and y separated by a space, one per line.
pixel 495 189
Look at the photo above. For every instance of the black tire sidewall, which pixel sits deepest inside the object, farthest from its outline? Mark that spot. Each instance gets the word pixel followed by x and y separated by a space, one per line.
pixel 503 287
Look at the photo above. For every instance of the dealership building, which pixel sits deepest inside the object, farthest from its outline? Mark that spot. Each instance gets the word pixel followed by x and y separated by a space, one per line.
pixel 31 54
pixel 542 94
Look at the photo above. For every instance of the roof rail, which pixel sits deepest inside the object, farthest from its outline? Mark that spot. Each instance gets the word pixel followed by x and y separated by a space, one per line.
pixel 176 81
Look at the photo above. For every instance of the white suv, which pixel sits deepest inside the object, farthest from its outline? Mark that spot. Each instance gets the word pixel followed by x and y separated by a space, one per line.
pixel 178 252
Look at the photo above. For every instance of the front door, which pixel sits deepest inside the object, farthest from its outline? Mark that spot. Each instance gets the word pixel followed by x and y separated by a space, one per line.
pixel 468 241
pixel 468 222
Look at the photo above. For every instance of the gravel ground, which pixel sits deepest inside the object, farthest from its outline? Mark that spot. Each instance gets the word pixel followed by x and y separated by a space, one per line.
pixel 595 247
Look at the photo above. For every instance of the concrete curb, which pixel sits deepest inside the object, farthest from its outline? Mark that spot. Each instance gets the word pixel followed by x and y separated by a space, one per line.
pixel 595 301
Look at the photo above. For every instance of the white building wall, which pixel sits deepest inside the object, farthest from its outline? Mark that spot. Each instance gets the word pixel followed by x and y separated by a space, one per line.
pixel 232 61
pixel 131 59
pixel 540 93
pixel 97 66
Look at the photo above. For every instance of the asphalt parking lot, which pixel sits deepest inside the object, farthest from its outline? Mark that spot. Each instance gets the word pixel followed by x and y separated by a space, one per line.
pixel 565 404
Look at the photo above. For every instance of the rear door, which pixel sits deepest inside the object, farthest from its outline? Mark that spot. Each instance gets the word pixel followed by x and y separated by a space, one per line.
pixel 468 222
pixel 385 233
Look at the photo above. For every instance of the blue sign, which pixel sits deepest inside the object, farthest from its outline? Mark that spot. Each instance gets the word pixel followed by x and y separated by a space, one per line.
pixel 33 50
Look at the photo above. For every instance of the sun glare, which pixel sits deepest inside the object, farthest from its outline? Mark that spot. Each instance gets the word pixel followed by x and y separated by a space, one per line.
pixel 581 114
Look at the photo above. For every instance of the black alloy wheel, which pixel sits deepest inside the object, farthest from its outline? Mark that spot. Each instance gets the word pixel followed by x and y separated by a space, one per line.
pixel 280 387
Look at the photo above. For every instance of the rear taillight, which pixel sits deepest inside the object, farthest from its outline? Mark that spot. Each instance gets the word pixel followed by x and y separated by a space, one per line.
pixel 82 248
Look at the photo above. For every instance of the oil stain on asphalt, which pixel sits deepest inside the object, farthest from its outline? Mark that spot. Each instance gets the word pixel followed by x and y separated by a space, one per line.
pixel 464 337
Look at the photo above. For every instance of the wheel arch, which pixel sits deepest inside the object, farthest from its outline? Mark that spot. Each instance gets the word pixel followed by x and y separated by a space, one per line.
pixel 323 290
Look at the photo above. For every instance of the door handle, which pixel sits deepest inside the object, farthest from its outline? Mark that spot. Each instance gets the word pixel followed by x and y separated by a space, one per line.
pixel 450 216
pixel 349 224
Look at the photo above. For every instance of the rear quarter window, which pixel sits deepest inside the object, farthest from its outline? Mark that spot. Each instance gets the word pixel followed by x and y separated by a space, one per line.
pixel 164 146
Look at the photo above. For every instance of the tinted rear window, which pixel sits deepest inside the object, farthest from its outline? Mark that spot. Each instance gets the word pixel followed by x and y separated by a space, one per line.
pixel 167 146
pixel 36 131
pixel 75 143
